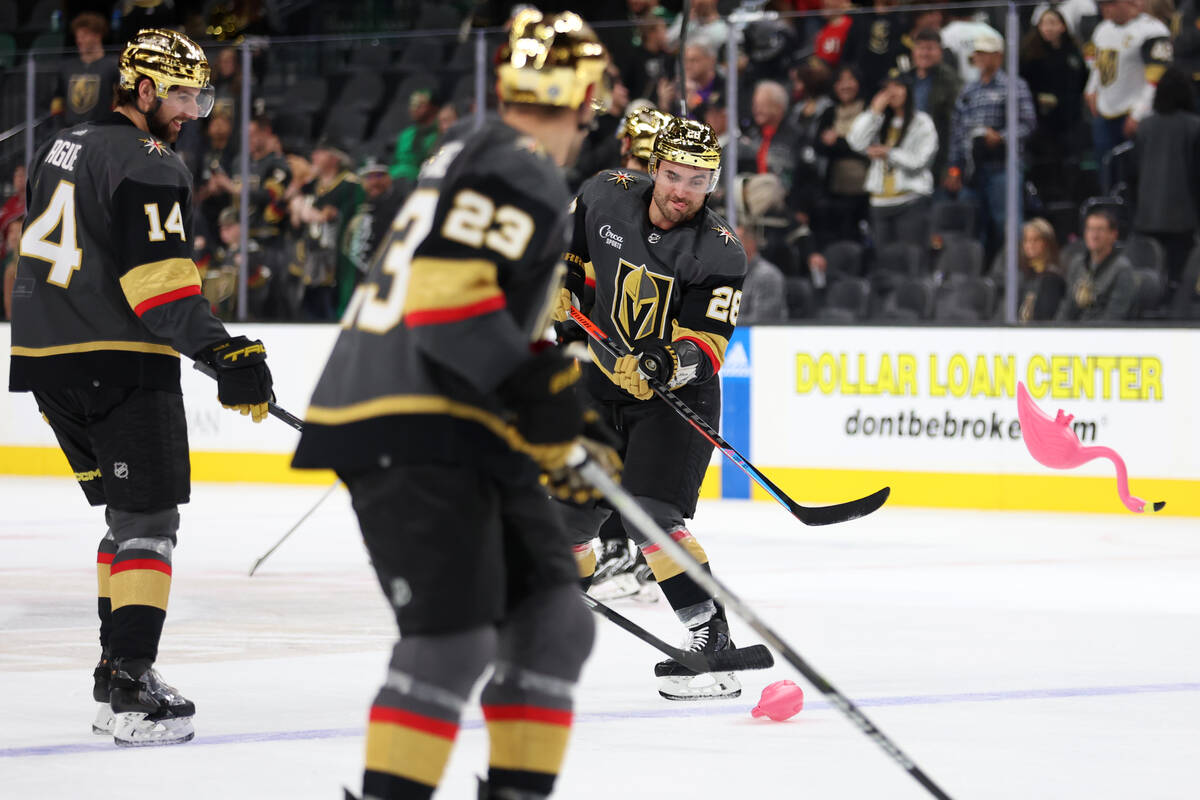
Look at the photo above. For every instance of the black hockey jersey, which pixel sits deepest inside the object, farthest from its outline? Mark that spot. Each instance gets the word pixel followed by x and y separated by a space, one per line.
pixel 652 286
pixel 106 289
pixel 454 295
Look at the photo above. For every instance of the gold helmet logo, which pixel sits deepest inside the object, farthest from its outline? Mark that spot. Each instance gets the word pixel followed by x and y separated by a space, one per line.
pixel 169 59
pixel 687 141
pixel 552 61
pixel 641 125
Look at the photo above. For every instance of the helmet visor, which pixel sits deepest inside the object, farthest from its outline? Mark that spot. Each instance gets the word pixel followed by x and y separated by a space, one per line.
pixel 191 100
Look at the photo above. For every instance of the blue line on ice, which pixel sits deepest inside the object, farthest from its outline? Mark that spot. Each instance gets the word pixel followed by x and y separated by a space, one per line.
pixel 659 712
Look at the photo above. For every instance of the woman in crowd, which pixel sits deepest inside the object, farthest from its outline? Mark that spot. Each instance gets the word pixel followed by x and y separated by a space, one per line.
pixel 1042 276
pixel 901 143
pixel 1053 66
pixel 845 209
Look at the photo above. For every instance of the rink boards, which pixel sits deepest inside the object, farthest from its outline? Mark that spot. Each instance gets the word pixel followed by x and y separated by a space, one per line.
pixel 830 413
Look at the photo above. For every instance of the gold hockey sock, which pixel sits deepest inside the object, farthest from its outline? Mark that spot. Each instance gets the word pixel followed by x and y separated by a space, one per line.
pixel 104 557
pixel 680 590
pixel 406 752
pixel 139 583
pixel 585 560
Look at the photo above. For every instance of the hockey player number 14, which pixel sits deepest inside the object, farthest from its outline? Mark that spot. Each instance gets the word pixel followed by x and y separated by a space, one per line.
pixel 64 256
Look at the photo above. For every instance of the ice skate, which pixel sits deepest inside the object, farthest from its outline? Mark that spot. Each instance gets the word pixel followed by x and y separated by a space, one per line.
pixel 677 682
pixel 147 710
pixel 620 574
pixel 102 725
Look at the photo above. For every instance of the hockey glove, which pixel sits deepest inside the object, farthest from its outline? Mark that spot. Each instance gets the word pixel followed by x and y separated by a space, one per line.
pixel 627 376
pixel 674 364
pixel 545 406
pixel 561 306
pixel 243 379
pixel 568 485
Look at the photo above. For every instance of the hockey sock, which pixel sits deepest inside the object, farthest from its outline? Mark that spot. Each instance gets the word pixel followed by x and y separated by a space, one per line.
pixel 104 557
pixel 140 580
pixel 414 719
pixel 528 702
pixel 686 596
pixel 585 560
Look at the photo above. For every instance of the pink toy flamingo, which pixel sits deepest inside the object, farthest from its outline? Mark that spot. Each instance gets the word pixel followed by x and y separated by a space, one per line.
pixel 1054 444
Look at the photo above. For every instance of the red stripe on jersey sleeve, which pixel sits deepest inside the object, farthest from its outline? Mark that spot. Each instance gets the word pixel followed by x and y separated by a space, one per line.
pixel 441 316
pixel 164 298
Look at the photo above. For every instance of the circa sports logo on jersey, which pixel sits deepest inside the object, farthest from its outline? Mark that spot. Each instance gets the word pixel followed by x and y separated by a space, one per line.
pixel 641 302
pixel 610 238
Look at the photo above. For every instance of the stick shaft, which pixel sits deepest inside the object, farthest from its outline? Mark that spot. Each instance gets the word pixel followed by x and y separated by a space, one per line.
pixel 293 529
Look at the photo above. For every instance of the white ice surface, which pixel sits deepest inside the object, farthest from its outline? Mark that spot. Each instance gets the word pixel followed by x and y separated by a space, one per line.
pixel 1009 655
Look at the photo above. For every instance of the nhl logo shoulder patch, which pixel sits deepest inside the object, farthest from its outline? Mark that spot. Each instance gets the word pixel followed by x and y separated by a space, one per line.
pixel 621 178
pixel 154 146
pixel 725 233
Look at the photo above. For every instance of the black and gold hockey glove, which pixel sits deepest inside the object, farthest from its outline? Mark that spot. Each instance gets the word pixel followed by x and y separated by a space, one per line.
pixel 566 484
pixel 547 415
pixel 243 379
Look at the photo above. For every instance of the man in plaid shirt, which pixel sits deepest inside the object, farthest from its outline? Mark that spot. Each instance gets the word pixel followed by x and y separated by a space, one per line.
pixel 977 149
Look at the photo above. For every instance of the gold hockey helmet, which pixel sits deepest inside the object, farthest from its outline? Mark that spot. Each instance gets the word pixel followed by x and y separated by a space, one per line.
pixel 169 59
pixel 687 141
pixel 552 61
pixel 641 125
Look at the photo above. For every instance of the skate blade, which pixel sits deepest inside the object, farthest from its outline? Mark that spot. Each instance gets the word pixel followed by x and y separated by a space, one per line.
pixel 617 587
pixel 105 721
pixel 132 729
pixel 705 686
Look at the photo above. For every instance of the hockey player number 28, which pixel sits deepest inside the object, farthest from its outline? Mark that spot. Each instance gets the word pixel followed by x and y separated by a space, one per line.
pixel 64 256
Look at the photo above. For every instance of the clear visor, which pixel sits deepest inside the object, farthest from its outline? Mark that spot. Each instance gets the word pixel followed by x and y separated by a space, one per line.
pixel 689 179
pixel 191 100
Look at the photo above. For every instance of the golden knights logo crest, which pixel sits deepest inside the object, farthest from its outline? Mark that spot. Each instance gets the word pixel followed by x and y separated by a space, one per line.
pixel 1106 65
pixel 82 93
pixel 640 303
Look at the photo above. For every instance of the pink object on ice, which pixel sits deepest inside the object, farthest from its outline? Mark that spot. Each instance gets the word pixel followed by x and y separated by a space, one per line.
pixel 1054 444
pixel 781 700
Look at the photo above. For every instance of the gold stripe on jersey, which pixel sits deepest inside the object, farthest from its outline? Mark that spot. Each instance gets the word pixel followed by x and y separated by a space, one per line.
pixel 713 344
pixel 91 347
pixel 439 284
pixel 157 278
pixel 406 404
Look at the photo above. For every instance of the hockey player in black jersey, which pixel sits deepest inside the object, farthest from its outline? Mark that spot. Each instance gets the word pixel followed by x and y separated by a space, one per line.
pixel 106 299
pixel 662 273
pixel 620 572
pixel 439 416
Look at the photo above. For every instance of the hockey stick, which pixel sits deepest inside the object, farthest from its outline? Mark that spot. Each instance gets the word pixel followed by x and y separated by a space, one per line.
pixel 629 509
pixel 272 409
pixel 809 515
pixel 739 658
pixel 292 530
pixel 681 80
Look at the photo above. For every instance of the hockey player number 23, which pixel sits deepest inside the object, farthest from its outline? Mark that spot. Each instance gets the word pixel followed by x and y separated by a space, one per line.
pixel 379 315
pixel 64 256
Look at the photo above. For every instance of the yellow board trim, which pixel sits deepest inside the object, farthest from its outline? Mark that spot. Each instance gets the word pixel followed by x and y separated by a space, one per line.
pixel 989 492
pixel 218 467
pixel 91 347
pixel 158 277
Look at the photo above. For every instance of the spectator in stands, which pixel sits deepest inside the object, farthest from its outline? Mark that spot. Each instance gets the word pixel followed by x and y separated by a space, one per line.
pixel 446 117
pixel 10 234
pixel 1053 66
pixel 1167 145
pixel 901 143
pixel 935 89
pixel 768 146
pixel 85 84
pixel 215 189
pixel 763 208
pixel 958 35
pixel 1132 49
pixel 1186 47
pixel 415 143
pixel 702 78
pixel 1100 282
pixel 227 81
pixel 381 201
pixel 653 61
pixel 831 39
pixel 764 293
pixel 977 139
pixel 876 41
pixel 705 26
pixel 845 210
pixel 270 176
pixel 324 207
pixel 1042 277
pixel 1080 16
pixel 810 100
pixel 14 205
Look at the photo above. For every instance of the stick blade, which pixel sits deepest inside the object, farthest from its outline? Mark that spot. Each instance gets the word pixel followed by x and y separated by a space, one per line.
pixel 842 512
pixel 742 658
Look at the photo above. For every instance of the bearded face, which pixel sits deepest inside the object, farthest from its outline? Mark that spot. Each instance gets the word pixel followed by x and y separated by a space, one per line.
pixel 679 190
